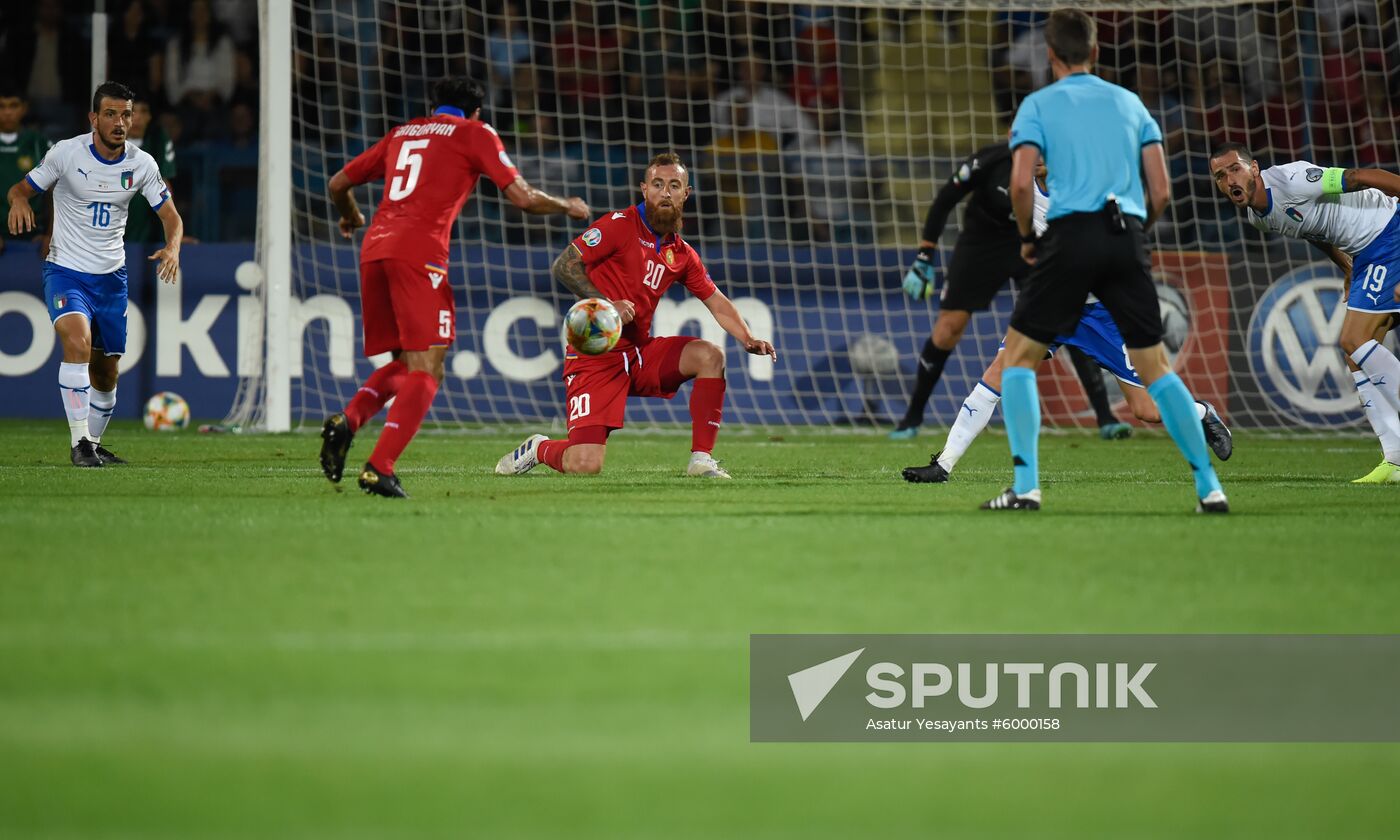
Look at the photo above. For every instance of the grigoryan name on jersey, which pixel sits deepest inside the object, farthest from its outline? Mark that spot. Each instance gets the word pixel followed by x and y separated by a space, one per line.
pixel 90 199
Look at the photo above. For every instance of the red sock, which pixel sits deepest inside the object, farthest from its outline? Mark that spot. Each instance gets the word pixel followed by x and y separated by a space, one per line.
pixel 706 408
pixel 551 454
pixel 416 391
pixel 377 390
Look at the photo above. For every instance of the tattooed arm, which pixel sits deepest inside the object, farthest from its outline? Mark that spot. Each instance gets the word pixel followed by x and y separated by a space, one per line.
pixel 569 271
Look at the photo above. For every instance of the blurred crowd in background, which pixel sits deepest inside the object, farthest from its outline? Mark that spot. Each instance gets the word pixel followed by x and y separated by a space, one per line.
pixel 787 113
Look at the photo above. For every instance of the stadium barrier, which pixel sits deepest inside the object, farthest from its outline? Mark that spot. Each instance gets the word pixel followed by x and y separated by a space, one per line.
pixel 1262 348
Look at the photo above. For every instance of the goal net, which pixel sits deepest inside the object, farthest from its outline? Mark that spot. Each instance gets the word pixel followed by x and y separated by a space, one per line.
pixel 818 136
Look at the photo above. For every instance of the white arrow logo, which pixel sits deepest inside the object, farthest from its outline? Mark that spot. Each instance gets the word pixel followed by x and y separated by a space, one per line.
pixel 811 685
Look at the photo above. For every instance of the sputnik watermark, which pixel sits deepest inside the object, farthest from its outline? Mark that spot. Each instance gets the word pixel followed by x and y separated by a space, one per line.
pixel 1087 688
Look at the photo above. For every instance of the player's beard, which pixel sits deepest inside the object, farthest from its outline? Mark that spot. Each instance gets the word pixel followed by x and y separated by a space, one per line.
pixel 664 220
pixel 112 143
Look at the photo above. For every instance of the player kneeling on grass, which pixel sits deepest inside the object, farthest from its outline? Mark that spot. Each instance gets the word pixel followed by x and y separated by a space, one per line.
pixel 1098 337
pixel 631 257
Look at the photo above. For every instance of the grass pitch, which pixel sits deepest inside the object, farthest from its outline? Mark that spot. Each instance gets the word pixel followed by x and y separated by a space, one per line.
pixel 213 642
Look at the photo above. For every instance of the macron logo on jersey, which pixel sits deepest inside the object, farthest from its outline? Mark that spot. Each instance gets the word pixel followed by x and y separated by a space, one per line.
pixel 617 215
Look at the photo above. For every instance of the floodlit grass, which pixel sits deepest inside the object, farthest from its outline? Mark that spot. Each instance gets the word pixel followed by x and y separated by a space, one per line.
pixel 214 642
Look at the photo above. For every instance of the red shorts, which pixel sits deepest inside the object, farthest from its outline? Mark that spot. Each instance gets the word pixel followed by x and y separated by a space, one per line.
pixel 405 306
pixel 598 386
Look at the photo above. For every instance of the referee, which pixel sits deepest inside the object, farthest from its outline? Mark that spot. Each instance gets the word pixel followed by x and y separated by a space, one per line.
pixel 1098 141
pixel 984 258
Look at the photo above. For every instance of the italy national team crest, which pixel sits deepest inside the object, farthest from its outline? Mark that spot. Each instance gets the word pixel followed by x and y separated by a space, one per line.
pixel 60 301
pixel 128 178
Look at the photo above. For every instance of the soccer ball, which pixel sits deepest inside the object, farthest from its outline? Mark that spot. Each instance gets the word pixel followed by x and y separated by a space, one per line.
pixel 167 412
pixel 592 326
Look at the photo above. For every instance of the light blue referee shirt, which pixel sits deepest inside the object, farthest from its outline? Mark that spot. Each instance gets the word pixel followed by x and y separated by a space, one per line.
pixel 1091 133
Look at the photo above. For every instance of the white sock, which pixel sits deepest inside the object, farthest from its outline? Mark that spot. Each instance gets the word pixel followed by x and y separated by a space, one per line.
pixel 103 404
pixel 1200 410
pixel 73 386
pixel 1382 368
pixel 1384 421
pixel 973 417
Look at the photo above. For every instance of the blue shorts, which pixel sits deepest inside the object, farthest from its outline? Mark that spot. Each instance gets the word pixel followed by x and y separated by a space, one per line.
pixel 1376 271
pixel 101 298
pixel 1100 340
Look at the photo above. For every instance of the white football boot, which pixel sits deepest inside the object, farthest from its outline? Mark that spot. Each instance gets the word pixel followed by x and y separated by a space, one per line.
pixel 703 465
pixel 523 458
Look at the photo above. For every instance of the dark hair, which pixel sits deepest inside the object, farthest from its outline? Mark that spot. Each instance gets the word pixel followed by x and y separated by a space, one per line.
pixel 1227 148
pixel 666 159
pixel 10 90
pixel 1070 35
pixel 110 90
pixel 459 92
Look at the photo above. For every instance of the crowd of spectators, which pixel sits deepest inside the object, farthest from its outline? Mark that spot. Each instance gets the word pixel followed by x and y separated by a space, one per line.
pixel 766 100
pixel 193 66
pixel 1317 81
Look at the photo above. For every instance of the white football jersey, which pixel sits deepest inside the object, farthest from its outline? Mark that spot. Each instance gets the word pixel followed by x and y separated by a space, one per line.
pixel 90 198
pixel 1298 208
pixel 1042 209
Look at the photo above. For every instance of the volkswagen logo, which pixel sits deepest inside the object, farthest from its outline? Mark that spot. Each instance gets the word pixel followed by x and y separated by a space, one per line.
pixel 1294 348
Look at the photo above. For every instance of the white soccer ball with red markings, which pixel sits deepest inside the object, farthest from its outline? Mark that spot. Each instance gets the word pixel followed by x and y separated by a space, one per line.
pixel 592 326
pixel 167 412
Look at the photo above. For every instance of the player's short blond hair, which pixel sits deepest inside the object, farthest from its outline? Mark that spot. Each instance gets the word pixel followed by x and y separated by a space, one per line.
pixel 665 159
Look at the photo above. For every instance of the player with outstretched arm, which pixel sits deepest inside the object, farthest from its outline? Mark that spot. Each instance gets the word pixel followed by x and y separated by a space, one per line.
pixel 93 178
pixel 1351 215
pixel 431 165
pixel 631 257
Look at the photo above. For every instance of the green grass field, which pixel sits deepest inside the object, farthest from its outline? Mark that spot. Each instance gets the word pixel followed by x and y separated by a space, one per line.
pixel 213 642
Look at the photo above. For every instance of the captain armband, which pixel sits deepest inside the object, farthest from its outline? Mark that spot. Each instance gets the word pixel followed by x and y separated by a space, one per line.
pixel 1333 181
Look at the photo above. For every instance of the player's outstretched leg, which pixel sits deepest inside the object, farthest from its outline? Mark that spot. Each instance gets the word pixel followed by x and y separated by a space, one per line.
pixel 974 415
pixel 704 362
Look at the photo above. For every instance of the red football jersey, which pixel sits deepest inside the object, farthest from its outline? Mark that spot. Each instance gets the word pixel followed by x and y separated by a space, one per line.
pixel 430 165
pixel 626 260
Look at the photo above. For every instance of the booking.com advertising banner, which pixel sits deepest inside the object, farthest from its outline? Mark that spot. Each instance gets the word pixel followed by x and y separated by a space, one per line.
pixel 847 338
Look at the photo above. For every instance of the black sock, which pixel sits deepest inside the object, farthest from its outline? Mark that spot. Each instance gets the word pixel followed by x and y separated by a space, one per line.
pixel 931 362
pixel 1092 380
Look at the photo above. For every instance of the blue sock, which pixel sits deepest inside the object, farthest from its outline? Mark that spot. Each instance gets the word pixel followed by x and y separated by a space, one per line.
pixel 1179 416
pixel 1020 410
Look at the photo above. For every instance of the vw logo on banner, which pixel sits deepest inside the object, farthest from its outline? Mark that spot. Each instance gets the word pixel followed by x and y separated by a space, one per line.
pixel 1294 348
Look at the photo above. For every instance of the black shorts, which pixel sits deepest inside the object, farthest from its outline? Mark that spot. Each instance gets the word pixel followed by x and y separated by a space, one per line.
pixel 978 270
pixel 1082 253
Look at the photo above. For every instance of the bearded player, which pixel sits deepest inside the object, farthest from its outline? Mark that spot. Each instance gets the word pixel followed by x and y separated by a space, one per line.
pixel 1351 215
pixel 631 257
pixel 431 165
